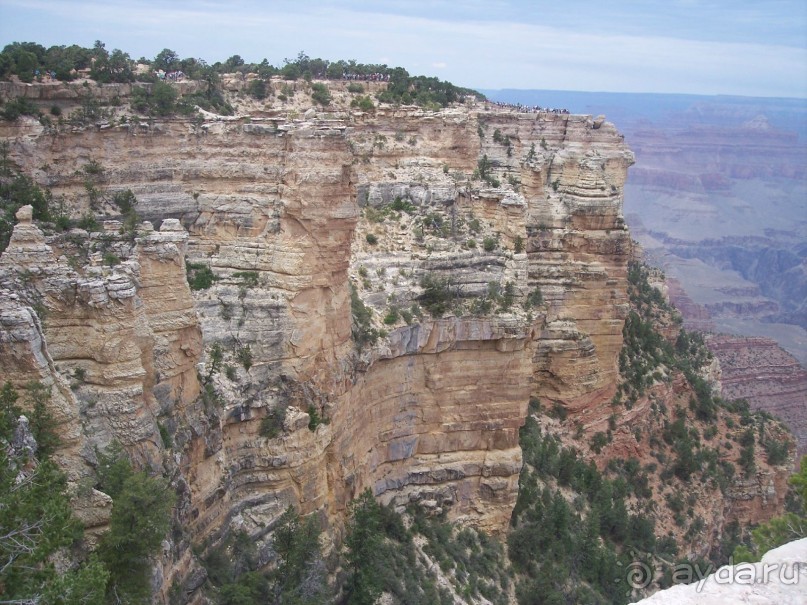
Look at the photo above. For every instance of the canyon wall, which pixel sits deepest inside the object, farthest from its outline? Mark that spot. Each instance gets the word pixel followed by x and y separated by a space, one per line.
pixel 753 368
pixel 328 237
pixel 280 200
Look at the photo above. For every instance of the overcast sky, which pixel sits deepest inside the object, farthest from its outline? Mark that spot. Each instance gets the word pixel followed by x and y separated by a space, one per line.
pixel 741 47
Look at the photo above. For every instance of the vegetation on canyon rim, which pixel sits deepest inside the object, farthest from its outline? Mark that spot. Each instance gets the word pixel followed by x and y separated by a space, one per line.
pixel 575 526
pixel 30 61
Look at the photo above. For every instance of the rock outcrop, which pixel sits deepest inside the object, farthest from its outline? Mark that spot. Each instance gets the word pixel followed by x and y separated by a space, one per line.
pixel 778 579
pixel 118 344
pixel 279 200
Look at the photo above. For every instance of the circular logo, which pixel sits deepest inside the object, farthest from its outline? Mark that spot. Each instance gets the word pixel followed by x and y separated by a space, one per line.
pixel 639 575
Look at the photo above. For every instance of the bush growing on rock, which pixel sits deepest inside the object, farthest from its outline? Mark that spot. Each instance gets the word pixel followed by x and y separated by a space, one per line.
pixel 257 89
pixel 401 205
pixel 363 332
pixel 392 316
pixel 437 294
pixel 320 94
pixel 125 200
pixel 18 107
pixel 780 530
pixel 244 355
pixel 534 298
pixel 141 514
pixel 364 104
pixel 164 97
pixel 17 190
pixel 200 276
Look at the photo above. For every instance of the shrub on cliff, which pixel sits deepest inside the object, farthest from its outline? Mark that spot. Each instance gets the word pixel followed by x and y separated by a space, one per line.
pixel 571 550
pixel 15 108
pixel 200 276
pixel 534 298
pixel 36 520
pixel 300 573
pixel 780 530
pixel 363 103
pixel 141 514
pixel 272 424
pixel 125 201
pixel 483 171
pixel 231 566
pixel 161 100
pixel 257 89
pixel 17 190
pixel 381 556
pixel 244 355
pixel 164 97
pixel 363 332
pixel 363 543
pixel 320 94
pixel 776 451
pixel 41 421
pixel 247 279
pixel 299 578
pixel 438 294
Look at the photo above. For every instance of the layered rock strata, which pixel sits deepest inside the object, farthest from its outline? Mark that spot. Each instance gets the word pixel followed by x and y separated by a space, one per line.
pixel 114 347
pixel 759 370
pixel 518 216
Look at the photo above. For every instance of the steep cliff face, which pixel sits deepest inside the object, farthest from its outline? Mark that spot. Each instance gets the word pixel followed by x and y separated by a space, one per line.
pixel 127 335
pixel 281 199
pixel 756 369
pixel 481 252
pixel 743 498
pixel 113 347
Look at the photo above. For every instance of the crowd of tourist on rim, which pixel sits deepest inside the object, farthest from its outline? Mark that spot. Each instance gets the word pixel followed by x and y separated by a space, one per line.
pixel 376 77
pixel 171 76
pixel 518 107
